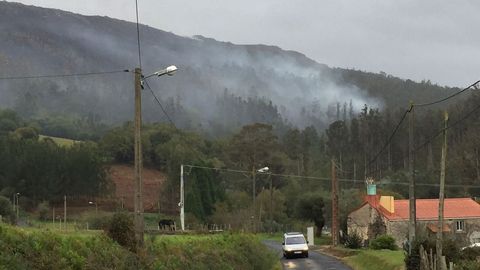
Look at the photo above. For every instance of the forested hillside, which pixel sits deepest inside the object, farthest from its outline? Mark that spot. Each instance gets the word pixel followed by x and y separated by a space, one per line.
pixel 220 85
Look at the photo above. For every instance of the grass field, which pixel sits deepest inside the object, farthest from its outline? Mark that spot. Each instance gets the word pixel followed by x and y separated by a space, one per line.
pixel 376 260
pixel 50 248
pixel 59 141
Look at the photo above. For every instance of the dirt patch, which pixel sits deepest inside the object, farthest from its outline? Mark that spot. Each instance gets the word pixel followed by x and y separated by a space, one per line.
pixel 123 178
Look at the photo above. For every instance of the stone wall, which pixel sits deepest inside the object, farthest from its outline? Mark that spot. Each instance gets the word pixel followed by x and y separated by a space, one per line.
pixel 471 232
pixel 358 221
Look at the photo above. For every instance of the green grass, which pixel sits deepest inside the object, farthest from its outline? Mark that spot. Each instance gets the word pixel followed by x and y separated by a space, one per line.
pixel 49 248
pixel 218 251
pixel 59 141
pixel 376 260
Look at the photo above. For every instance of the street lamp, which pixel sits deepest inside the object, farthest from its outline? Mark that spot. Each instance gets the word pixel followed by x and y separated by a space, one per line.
pixel 96 207
pixel 138 198
pixel 170 70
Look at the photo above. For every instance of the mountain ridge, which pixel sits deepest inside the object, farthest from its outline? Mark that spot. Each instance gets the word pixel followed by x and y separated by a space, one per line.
pixel 295 89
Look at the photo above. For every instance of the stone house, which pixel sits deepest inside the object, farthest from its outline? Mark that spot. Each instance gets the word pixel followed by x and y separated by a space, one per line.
pixel 385 215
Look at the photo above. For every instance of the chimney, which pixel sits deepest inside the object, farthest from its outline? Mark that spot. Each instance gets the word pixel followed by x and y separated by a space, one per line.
pixel 371 187
pixel 388 202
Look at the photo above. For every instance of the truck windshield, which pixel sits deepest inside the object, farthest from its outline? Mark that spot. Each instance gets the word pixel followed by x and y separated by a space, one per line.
pixel 295 240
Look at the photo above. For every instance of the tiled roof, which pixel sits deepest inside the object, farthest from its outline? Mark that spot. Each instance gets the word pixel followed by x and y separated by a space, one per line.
pixel 427 209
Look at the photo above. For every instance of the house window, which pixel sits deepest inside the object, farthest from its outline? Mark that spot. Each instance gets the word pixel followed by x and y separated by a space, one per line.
pixel 460 225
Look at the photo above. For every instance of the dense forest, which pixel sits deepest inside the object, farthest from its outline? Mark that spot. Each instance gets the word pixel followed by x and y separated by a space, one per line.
pixel 219 182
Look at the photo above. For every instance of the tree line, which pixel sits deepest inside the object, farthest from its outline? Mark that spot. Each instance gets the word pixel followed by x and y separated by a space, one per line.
pixel 215 193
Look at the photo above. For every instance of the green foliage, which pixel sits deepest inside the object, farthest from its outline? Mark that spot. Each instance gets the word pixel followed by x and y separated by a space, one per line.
pixel 450 250
pixel 203 191
pixel 468 265
pixel 46 250
pixel 6 210
pixel 96 220
pixel 224 251
pixel 383 242
pixel 26 133
pixel 470 253
pixel 353 240
pixel 368 259
pixel 310 207
pixel 121 229
pixel 42 170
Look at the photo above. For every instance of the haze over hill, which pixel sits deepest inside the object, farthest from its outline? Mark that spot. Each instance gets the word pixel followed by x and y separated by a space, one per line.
pixel 220 85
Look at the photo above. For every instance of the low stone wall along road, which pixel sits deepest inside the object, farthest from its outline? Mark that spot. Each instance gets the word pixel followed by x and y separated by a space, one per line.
pixel 315 260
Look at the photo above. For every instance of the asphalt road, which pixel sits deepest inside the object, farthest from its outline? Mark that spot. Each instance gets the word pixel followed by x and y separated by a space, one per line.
pixel 315 260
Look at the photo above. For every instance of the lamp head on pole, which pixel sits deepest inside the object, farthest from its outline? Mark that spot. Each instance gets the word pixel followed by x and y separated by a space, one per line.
pixel 263 170
pixel 170 70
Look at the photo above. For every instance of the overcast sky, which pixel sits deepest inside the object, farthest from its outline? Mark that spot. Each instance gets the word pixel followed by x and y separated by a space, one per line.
pixel 429 39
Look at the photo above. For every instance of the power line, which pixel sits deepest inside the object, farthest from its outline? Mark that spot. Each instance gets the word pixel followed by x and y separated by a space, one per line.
pixel 160 104
pixel 443 129
pixel 63 75
pixel 325 178
pixel 391 136
pixel 474 85
pixel 138 36
pixel 187 143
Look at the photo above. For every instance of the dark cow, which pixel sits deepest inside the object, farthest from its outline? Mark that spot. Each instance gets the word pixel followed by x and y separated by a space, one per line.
pixel 166 224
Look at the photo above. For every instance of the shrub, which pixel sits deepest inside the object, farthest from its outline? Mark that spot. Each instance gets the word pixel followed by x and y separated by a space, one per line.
pixel 6 210
pixel 43 211
pixel 449 249
pixel 353 240
pixel 96 220
pixel 470 253
pixel 121 229
pixel 383 242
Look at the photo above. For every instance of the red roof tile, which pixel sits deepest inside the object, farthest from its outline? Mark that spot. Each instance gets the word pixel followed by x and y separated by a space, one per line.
pixel 427 209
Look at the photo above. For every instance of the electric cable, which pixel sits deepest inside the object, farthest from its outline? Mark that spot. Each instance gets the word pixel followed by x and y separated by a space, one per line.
pixel 474 85
pixel 449 126
pixel 391 136
pixel 63 75
pixel 324 178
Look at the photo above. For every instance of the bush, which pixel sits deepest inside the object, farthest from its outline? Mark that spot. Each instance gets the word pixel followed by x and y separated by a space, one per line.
pixel 470 253
pixel 121 229
pixel 21 249
pixel 383 242
pixel 6 210
pixel 43 210
pixel 96 220
pixel 449 249
pixel 467 265
pixel 353 240
pixel 219 251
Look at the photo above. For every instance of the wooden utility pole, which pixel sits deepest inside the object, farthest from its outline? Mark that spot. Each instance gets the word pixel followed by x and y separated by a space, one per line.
pixel 271 203
pixel 412 225
pixel 182 200
pixel 334 205
pixel 138 198
pixel 65 211
pixel 254 203
pixel 441 195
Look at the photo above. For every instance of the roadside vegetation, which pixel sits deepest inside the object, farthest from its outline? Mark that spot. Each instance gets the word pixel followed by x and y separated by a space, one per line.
pixel 368 259
pixel 45 249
